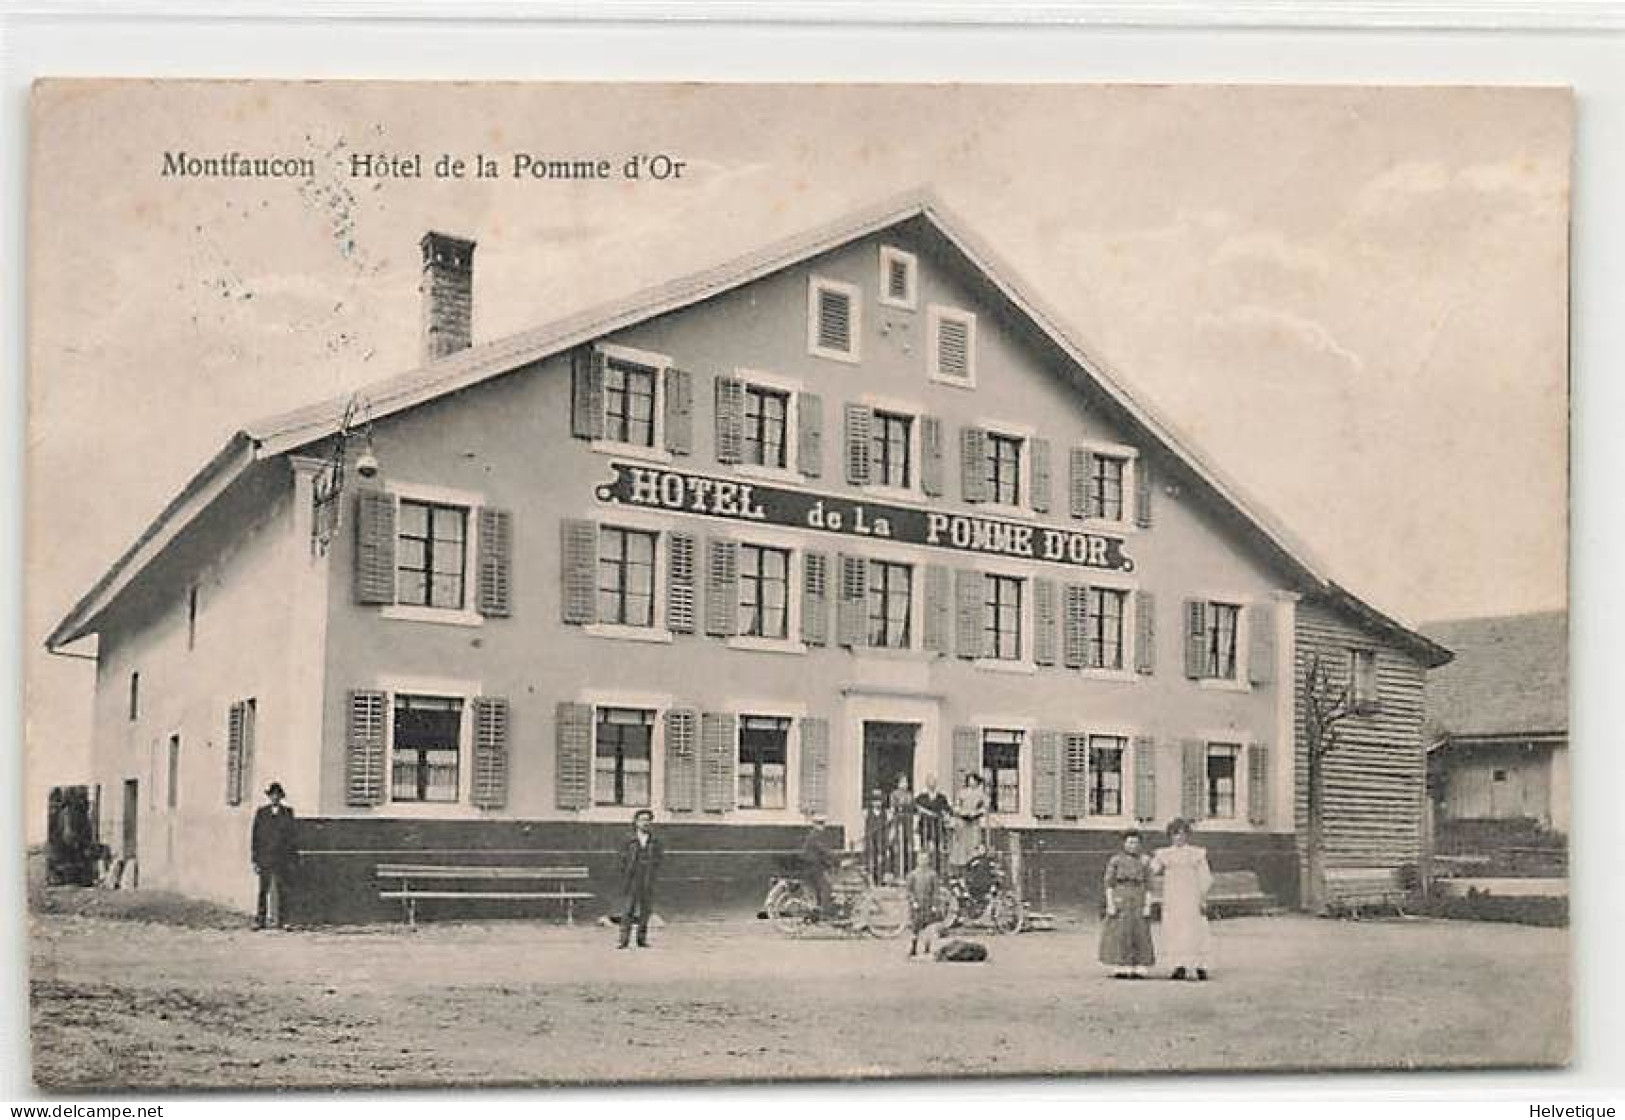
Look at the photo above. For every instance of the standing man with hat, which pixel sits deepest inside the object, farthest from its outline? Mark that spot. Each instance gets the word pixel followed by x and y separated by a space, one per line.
pixel 640 862
pixel 275 851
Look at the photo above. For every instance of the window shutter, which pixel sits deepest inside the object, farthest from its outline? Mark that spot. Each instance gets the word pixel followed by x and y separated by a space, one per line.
pixel 1044 620
pixel 722 587
pixel 1145 632
pixel 835 316
pixel 572 761
pixel 1192 779
pixel 494 594
pixel 587 394
pixel 938 623
pixel 1258 783
pixel 1074 775
pixel 860 420
pixel 1145 779
pixel 490 752
pixel 1074 624
pixel 810 434
pixel 852 614
pixel 815 598
pixel 680 560
pixel 374 546
pixel 730 416
pixel 931 467
pixel 953 348
pixel 1195 639
pixel 679 391
pixel 578 568
pixel 364 754
pixel 1078 481
pixel 682 760
pixel 1142 493
pixel 967 755
pixel 716 761
pixel 1041 474
pixel 968 591
pixel 814 765
pixel 234 755
pixel 1260 643
pixel 973 464
pixel 1047 775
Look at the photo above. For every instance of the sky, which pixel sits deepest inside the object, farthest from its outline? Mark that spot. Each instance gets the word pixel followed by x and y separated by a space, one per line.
pixel 1353 300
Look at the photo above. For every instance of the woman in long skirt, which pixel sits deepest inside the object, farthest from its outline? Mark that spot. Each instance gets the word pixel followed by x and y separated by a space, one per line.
pixel 1186 941
pixel 970 808
pixel 1125 939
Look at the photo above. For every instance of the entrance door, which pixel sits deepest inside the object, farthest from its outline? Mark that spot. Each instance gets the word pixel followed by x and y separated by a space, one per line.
pixel 888 754
pixel 132 806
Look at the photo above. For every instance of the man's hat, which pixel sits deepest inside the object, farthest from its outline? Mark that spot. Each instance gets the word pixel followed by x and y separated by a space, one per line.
pixel 644 814
pixel 275 790
pixel 819 818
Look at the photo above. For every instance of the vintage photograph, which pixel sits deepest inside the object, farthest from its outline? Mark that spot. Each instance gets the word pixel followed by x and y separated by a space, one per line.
pixel 534 584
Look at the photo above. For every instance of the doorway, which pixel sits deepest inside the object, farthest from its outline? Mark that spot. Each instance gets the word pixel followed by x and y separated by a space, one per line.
pixel 888 754
pixel 132 807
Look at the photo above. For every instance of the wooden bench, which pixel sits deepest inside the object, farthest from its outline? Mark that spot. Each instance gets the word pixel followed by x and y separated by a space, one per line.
pixel 1350 891
pixel 411 883
pixel 1233 892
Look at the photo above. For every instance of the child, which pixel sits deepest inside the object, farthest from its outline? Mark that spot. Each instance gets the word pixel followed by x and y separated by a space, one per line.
pixel 922 885
pixel 1125 939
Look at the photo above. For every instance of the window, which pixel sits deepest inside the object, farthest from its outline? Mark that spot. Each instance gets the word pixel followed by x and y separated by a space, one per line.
pixel 626 576
pixel 1003 469
pixel 898 275
pixel 1363 685
pixel 1498 775
pixel 1223 769
pixel 764 584
pixel 135 697
pixel 430 555
pixel 1001 618
pixel 891 592
pixel 172 787
pixel 890 459
pixel 1106 753
pixel 622 750
pixel 1001 767
pixel 191 617
pixel 629 403
pixel 766 417
pixel 833 320
pixel 953 345
pixel 1106 487
pixel 1106 609
pixel 428 749
pixel 1222 621
pixel 763 761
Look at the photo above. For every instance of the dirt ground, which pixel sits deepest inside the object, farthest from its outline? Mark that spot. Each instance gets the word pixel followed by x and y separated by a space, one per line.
pixel 120 1003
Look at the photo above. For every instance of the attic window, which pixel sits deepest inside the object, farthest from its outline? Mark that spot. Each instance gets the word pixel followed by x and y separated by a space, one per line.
pixel 953 346
pixel 833 320
pixel 899 273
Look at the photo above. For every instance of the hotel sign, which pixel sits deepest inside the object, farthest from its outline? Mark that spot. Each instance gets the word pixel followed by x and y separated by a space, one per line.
pixel 653 487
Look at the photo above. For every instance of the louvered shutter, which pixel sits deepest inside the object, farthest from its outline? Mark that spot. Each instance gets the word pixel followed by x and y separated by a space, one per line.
pixel 490 752
pixel 835 315
pixel 1142 493
pixel 1047 775
pixel 587 394
pixel 973 479
pixel 1045 618
pixel 860 420
pixel 815 598
pixel 1195 638
pixel 234 755
pixel 968 632
pixel 1260 643
pixel 967 758
pixel 1074 624
pixel 730 419
pixel 852 614
pixel 679 406
pixel 374 546
pixel 717 761
pixel 1074 775
pixel 1145 632
pixel 1258 783
pixel 810 434
pixel 1078 481
pixel 1040 474
pixel 931 458
pixel 722 587
pixel 1192 779
pixel 494 594
pixel 938 623
pixel 814 795
pixel 682 760
pixel 572 759
pixel 364 751
pixel 1145 779
pixel 578 569
pixel 681 556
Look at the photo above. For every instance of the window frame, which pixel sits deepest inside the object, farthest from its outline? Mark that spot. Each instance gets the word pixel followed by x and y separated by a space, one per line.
pixel 992 602
pixel 1238 797
pixel 659 364
pixel 656 718
pixel 816 286
pixel 645 522
pixel 1361 701
pixel 883 418
pixel 792 733
pixel 1124 744
pixel 464 714
pixel 792 389
pixel 760 550
pixel 1125 629
pixel 887 564
pixel 429 572
pixel 623 591
pixel 994 439
pixel 1022 745
pixel 445 688
pixel 910 300
pixel 470 503
pixel 786 541
pixel 936 314
pixel 1126 521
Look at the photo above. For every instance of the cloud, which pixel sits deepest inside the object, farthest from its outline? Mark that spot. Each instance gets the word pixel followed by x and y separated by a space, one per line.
pixel 1274 326
pixel 1269 247
pixel 1417 182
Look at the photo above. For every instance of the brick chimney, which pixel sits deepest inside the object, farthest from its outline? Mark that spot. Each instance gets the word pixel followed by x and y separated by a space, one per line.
pixel 447 287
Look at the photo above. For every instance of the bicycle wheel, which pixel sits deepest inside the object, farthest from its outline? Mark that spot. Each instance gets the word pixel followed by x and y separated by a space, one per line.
pixel 883 911
pixel 1008 914
pixel 947 907
pixel 791 908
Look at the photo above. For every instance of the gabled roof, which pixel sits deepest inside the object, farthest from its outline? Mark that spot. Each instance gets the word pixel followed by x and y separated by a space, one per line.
pixel 1510 676
pixel 292 430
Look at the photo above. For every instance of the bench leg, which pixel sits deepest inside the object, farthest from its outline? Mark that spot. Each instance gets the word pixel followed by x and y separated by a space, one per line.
pixel 569 911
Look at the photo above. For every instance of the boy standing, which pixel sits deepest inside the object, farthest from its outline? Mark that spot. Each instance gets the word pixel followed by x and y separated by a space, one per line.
pixel 921 884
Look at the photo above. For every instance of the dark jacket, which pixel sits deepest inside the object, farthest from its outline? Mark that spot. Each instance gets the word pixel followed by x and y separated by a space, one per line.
pixel 815 852
pixel 275 843
pixel 640 863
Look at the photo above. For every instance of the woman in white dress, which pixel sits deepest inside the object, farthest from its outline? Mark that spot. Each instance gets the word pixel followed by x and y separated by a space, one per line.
pixel 1186 942
pixel 970 810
